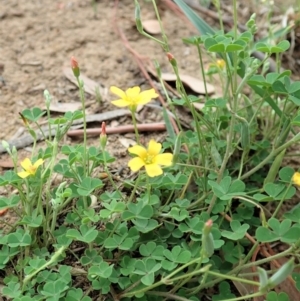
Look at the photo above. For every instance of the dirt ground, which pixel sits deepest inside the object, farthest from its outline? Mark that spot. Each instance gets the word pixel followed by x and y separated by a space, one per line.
pixel 38 38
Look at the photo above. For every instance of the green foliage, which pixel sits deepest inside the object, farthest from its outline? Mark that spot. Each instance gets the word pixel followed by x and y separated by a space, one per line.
pixel 179 233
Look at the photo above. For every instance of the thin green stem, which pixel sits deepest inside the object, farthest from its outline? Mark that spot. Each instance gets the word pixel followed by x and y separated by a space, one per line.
pixel 52 260
pixel 82 98
pixel 137 137
pixel 270 156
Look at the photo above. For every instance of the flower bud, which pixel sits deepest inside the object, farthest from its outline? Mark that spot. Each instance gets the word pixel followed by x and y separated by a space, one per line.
pixel 47 98
pixel 75 67
pixel 207 239
pixel 137 15
pixel 263 279
pixel 5 145
pixel 171 59
pixel 282 273
pixel 103 136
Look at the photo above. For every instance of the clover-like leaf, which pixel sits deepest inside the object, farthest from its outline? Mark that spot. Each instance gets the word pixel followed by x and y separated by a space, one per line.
pixel 239 230
pixel 33 114
pixel 103 270
pixel 87 234
pixel 88 185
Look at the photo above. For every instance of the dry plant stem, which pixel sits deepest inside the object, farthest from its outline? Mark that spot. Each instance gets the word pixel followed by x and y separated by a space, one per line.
pixel 145 127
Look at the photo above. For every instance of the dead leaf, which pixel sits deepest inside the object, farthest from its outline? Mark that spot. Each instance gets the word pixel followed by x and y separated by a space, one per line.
pixel 63 107
pixel 151 26
pixel 90 86
pixel 195 84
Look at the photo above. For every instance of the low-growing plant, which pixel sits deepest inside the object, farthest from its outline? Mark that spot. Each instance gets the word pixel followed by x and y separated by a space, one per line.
pixel 191 219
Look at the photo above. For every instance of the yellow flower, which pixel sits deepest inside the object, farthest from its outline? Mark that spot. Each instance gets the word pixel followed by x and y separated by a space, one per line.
pixel 29 168
pixel 218 64
pixel 221 64
pixel 132 97
pixel 296 178
pixel 150 158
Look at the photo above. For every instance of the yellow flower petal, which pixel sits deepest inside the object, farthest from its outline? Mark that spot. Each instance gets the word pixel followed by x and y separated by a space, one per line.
pixel 136 164
pixel 146 96
pixel 133 92
pixel 154 148
pixel 38 163
pixel 121 103
pixel 23 174
pixel 118 92
pixel 138 150
pixel 296 178
pixel 26 164
pixel 164 159
pixel 153 170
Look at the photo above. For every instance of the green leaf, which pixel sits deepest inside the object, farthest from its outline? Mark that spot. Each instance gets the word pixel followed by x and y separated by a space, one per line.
pixel 273 296
pixel 258 80
pixel 278 87
pixel 234 47
pixel 286 174
pixel 12 290
pixel 293 215
pixel 179 214
pixel 262 197
pixel 220 48
pixel 263 234
pixel 87 235
pixel 19 239
pixel 274 190
pixel 262 47
pixel 88 185
pixel 239 231
pixel 224 292
pixel 103 270
pixel 90 256
pixel 144 225
pixel 200 24
pixel 296 101
pixel 10 202
pixel 283 45
pixel 147 249
pixel 294 87
pixel 33 114
pixel 54 289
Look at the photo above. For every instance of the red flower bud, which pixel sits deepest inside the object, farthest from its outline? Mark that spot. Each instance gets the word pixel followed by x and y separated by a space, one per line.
pixel 103 128
pixel 171 59
pixel 103 136
pixel 75 67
